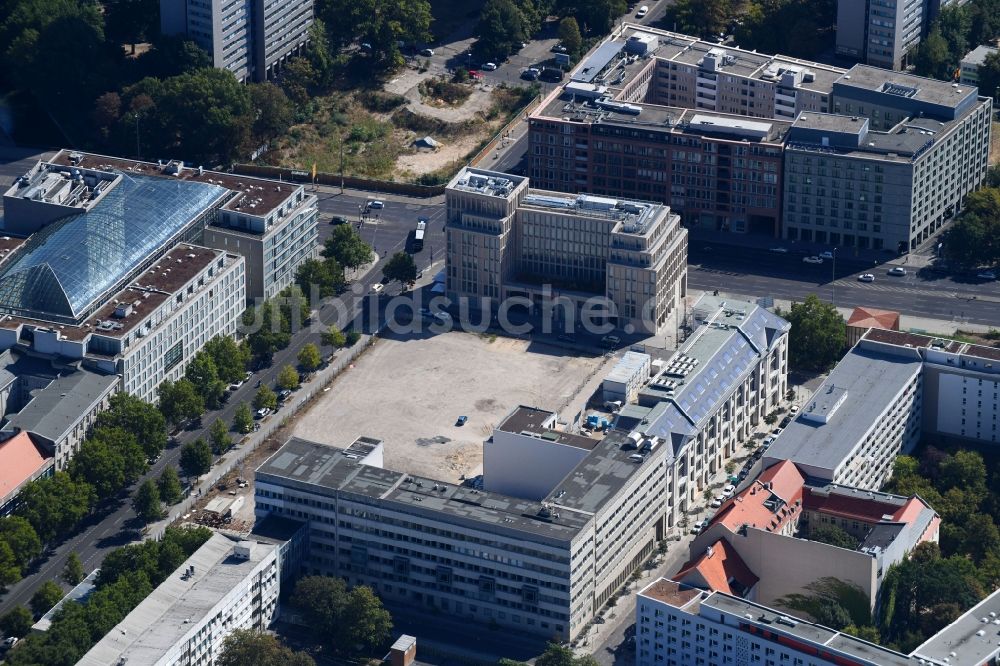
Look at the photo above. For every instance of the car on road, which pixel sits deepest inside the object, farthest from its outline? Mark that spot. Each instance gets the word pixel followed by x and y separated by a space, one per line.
pixel 610 340
pixel 559 48
pixel 489 66
pixel 475 74
pixel 898 271
pixel 987 275
pixel 283 395
pixel 376 204
pixel 377 288
pixel 235 386
pixel 427 53
pixel 812 260
pixel 825 255
pixel 642 11
pixel 461 420
pixel 338 219
pixel 247 375
pixel 866 277
pixel 699 526
pixel 780 250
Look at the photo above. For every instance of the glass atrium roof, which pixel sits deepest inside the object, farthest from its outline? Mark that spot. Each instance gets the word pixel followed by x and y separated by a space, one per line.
pixel 68 265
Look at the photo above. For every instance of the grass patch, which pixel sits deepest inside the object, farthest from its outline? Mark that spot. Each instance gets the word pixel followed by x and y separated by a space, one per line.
pixel 378 101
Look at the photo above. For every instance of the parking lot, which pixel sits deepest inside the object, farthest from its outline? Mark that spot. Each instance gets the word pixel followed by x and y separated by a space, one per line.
pixel 410 391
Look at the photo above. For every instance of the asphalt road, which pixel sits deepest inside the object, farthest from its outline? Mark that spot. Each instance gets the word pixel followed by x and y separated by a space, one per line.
pixel 759 272
pixel 115 524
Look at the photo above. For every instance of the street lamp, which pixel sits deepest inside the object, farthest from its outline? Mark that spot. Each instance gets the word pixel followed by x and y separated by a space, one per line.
pixel 833 281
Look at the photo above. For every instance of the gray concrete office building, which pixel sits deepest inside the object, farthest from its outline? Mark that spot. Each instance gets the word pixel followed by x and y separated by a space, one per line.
pixel 250 38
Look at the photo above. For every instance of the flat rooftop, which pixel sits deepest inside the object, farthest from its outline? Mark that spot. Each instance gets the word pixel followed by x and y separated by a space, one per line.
pixel 526 418
pixel 671 592
pixel 263 191
pixel 870 381
pixel 312 465
pixel 627 215
pixel 630 363
pixel 901 84
pixel 481 181
pixel 178 606
pixel 974 638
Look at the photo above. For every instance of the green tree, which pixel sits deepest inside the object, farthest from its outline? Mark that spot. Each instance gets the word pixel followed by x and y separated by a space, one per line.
pixel 325 276
pixel 833 535
pixel 352 337
pixel 196 458
pixel 288 378
pixel 268 330
pixel 169 485
pixel 989 86
pixel 569 35
pixel 705 18
pixel 401 268
pixel 99 465
pixel 933 57
pixel 365 621
pixel 47 596
pixel 17 622
pixel 274 113
pixel 818 334
pixel 124 444
pixel 246 647
pixel 229 357
pixel 333 337
pixel 243 419
pixel 24 543
pixel 147 503
pixel 218 436
pixel 598 16
pixel 866 633
pixel 309 358
pixel 501 29
pixel 265 398
pixel 204 375
pixel 557 655
pixel 981 537
pixel 319 54
pixel 55 504
pixel 180 401
pixel 346 247
pixel 173 55
pixel 73 570
pixel 297 79
pixel 138 417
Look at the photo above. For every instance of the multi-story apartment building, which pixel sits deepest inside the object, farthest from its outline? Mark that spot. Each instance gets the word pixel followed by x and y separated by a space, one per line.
pixel 564 253
pixel 544 550
pixel 890 390
pixel 665 117
pixel 248 38
pixel 224 586
pixel 677 625
pixel 730 373
pixel 54 400
pixel 273 240
pixel 759 546
pixel 885 33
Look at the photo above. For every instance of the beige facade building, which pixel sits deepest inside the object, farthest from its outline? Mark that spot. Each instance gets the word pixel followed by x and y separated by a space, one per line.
pixel 627 259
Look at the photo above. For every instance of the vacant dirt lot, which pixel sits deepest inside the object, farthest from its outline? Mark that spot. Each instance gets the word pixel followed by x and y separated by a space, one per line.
pixel 409 393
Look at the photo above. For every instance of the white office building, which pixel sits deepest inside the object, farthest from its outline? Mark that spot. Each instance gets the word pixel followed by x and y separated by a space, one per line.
pixel 224 586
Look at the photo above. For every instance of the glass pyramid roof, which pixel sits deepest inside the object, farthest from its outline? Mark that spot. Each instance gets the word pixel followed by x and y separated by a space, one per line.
pixel 63 269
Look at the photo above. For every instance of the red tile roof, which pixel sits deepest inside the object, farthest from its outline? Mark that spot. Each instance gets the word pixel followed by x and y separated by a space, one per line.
pixel 20 460
pixel 720 569
pixel 748 508
pixel 873 318
pixel 862 508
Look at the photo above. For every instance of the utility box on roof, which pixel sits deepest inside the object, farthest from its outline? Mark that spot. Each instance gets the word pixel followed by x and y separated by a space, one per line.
pixel 404 651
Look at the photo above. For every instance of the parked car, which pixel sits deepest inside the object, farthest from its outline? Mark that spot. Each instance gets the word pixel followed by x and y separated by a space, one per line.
pixel 826 255
pixel 461 420
pixel 642 11
pixel 235 386
pixel 698 527
pixel 427 53
pixel 717 501
pixel 866 277
pixel 898 271
pixel 262 412
pixel 377 288
pixel 489 66
pixel 780 250
pixel 729 490
pixel 283 394
pixel 559 48
pixel 812 260
pixel 247 375
pixel 987 275
pixel 610 340
pixel 11 641
pixel 530 73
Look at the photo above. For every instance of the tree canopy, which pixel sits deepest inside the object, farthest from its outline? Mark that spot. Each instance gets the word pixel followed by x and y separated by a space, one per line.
pixel 245 647
pixel 196 458
pixel 974 239
pixel 818 336
pixel 347 618
pixel 400 268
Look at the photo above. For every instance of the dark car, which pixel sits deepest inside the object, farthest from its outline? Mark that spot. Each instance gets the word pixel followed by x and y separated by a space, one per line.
pixel 461 420
pixel 338 219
